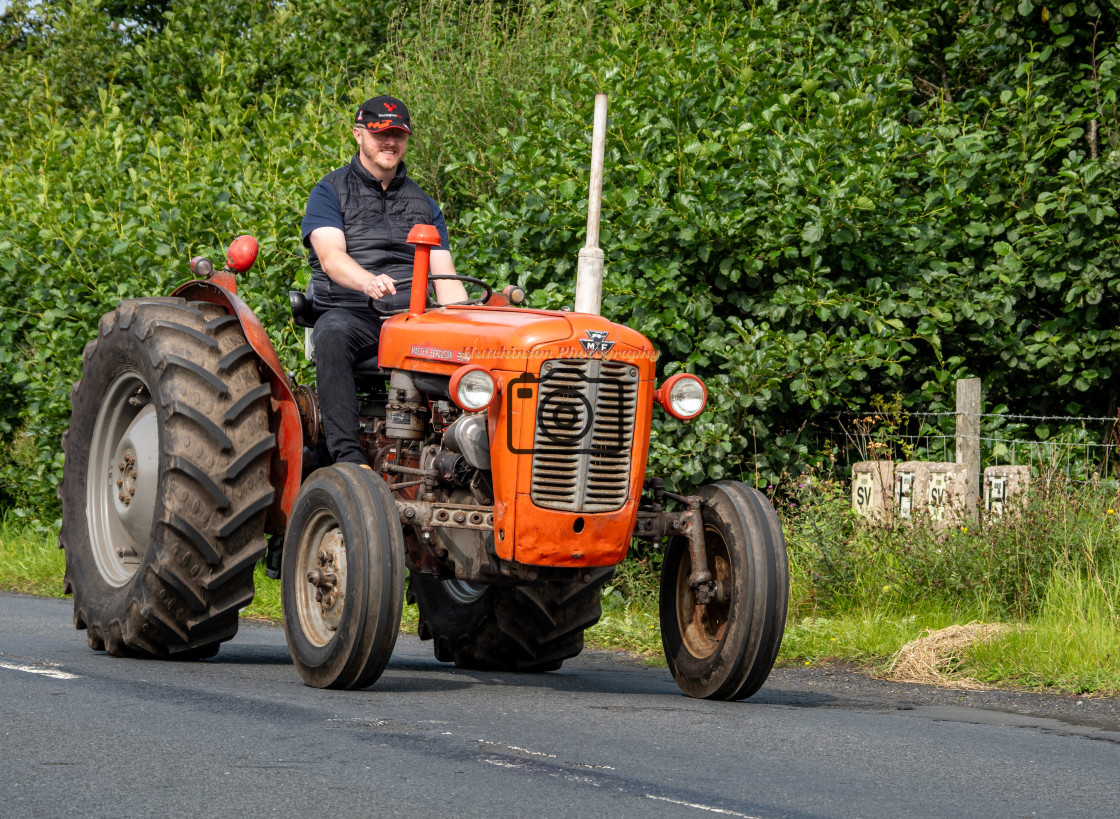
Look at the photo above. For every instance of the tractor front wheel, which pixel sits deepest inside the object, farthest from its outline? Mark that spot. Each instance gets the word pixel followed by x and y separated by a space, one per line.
pixel 725 649
pixel 342 577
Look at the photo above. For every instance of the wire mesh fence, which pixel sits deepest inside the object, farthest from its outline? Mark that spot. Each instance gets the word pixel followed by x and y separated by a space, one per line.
pixel 1077 450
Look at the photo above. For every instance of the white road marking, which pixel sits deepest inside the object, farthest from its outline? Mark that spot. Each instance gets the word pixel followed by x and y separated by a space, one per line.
pixel 37 669
pixel 532 766
pixel 515 748
pixel 708 808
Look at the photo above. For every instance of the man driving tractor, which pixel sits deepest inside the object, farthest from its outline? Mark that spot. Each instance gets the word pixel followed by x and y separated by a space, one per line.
pixel 355 227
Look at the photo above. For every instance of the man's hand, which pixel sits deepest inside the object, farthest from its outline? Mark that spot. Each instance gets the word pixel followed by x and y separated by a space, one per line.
pixel 330 247
pixel 379 286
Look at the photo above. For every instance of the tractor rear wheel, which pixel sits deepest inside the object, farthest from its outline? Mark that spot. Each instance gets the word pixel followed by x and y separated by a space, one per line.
pixel 166 486
pixel 507 628
pixel 725 649
pixel 342 577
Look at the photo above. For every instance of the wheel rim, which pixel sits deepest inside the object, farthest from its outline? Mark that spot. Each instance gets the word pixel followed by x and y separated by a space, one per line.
pixel 321 578
pixel 703 626
pixel 122 478
pixel 464 592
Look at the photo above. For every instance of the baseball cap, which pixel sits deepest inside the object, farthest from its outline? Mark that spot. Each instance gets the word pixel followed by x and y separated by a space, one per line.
pixel 383 112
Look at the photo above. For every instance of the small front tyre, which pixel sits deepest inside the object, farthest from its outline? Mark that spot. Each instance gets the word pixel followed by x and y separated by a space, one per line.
pixel 342 577
pixel 725 649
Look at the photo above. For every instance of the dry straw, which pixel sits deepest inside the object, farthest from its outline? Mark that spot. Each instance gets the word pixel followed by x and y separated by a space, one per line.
pixel 932 659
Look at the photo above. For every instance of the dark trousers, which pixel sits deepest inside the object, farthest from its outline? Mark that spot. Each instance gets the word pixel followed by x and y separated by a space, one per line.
pixel 342 336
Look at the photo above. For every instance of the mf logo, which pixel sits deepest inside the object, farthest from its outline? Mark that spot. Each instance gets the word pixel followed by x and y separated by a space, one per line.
pixel 596 342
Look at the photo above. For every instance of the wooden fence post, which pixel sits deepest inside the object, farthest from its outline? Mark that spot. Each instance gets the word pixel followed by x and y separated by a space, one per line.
pixel 969 403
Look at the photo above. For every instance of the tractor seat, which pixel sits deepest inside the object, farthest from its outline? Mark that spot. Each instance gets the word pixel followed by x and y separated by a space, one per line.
pixel 303 309
pixel 368 368
pixel 304 314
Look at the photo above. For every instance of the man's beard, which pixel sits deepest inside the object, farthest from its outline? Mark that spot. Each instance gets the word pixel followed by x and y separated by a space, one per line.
pixel 373 156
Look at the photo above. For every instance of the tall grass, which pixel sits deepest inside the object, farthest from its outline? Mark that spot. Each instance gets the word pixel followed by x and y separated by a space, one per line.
pixel 630 612
pixel 1073 643
pixel 1051 565
pixel 30 560
pixel 1000 567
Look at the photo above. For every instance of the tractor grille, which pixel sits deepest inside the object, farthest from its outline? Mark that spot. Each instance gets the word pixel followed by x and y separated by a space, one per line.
pixel 584 435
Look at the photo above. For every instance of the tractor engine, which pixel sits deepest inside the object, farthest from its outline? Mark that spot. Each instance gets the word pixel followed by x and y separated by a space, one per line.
pixel 514 441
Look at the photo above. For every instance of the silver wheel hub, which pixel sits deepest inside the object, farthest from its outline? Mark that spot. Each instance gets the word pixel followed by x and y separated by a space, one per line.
pixel 325 579
pixel 321 599
pixel 135 475
pixel 122 478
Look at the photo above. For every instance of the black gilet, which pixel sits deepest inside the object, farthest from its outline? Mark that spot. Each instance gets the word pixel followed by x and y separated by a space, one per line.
pixel 376 223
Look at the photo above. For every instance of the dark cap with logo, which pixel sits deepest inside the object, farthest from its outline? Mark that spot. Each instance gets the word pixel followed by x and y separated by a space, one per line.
pixel 381 113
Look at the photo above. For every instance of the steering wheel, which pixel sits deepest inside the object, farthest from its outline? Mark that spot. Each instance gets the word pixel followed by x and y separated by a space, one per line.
pixel 376 306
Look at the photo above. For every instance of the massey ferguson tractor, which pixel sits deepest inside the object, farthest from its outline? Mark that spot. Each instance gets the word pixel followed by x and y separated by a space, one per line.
pixel 506 473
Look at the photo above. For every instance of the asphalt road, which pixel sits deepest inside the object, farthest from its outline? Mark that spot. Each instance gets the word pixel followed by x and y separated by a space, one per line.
pixel 85 734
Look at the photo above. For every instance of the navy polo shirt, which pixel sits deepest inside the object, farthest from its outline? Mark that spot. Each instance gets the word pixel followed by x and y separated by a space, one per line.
pixel 324 210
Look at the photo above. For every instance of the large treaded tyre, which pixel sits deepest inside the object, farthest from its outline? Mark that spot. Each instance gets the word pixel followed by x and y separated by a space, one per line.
pixel 342 577
pixel 166 486
pixel 507 628
pixel 724 650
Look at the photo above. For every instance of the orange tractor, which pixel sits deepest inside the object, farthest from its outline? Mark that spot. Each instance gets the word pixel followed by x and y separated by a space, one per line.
pixel 506 472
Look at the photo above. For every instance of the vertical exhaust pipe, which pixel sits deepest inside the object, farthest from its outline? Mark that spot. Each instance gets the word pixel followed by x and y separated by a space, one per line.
pixel 589 269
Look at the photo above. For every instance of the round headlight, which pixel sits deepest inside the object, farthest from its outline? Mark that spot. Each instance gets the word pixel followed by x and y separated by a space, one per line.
pixel 683 396
pixel 473 388
pixel 687 397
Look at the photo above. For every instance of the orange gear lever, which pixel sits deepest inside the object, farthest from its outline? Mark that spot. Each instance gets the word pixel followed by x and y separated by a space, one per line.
pixel 425 237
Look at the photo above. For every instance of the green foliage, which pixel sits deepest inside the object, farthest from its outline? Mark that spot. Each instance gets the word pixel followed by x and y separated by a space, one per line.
pixel 789 213
pixel 806 203
pixel 104 204
pixel 498 53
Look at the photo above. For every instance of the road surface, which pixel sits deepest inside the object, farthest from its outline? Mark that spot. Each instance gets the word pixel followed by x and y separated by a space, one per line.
pixel 85 734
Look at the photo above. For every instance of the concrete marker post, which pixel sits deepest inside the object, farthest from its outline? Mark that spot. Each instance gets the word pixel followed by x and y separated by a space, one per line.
pixel 969 402
pixel 873 489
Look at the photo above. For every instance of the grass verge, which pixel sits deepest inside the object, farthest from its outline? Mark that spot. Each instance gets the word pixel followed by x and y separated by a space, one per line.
pixel 858 593
pixel 30 560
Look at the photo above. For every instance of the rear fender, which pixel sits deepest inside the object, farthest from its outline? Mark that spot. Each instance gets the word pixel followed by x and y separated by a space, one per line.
pixel 283 411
